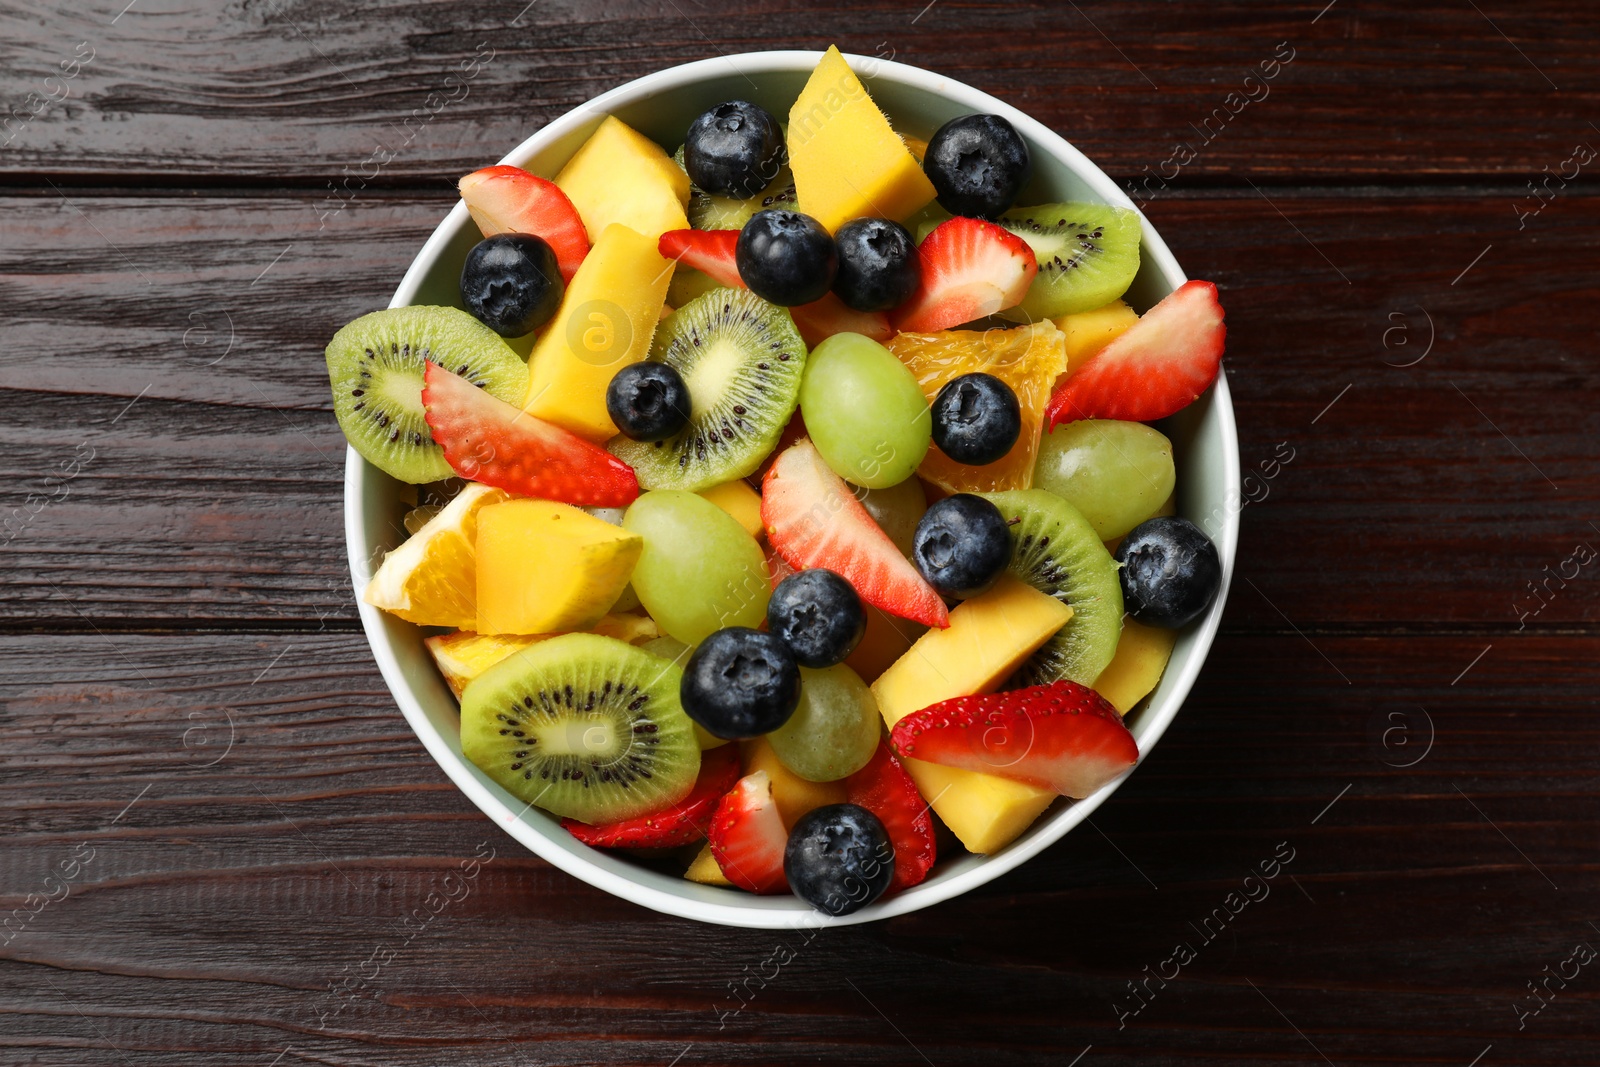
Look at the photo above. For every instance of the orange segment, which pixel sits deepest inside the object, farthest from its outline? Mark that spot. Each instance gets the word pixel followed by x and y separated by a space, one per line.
pixel 431 580
pixel 1027 358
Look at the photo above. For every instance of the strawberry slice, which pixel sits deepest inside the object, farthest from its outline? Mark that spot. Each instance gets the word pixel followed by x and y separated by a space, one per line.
pixel 884 788
pixel 814 520
pixel 510 200
pixel 1161 365
pixel 1063 737
pixel 823 318
pixel 686 821
pixel 747 836
pixel 487 440
pixel 709 251
pixel 970 268
pixel 712 252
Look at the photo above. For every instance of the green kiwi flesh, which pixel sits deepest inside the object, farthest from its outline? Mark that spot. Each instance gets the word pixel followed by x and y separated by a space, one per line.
pixel 585 727
pixel 742 360
pixel 1088 255
pixel 1055 550
pixel 709 212
pixel 375 367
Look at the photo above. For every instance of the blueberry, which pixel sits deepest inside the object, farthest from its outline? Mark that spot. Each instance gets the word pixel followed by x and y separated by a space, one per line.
pixel 878 264
pixel 962 545
pixel 648 401
pixel 786 258
pixel 976 419
pixel 511 283
pixel 735 149
pixel 740 683
pixel 839 858
pixel 977 164
pixel 818 615
pixel 1169 570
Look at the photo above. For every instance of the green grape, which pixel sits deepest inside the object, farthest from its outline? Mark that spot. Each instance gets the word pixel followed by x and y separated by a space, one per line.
pixel 864 411
pixel 1117 473
pixel 896 510
pixel 699 570
pixel 834 731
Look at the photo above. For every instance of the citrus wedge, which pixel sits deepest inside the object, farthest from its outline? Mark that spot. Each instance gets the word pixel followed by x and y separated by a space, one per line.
pixel 1027 358
pixel 431 580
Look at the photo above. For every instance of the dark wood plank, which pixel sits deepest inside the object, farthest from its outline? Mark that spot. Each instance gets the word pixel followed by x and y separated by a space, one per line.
pixel 243 882
pixel 299 92
pixel 1429 493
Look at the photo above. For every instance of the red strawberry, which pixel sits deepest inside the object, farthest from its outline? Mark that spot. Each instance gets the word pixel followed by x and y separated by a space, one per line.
pixel 814 520
pixel 1064 737
pixel 747 836
pixel 510 200
pixel 823 318
pixel 686 821
pixel 712 252
pixel 970 268
pixel 1161 365
pixel 884 788
pixel 709 251
pixel 487 440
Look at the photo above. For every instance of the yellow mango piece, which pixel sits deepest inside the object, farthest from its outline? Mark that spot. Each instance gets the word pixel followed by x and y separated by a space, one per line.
pixel 620 175
pixel 1136 669
pixel 430 580
pixel 548 568
pixel 464 655
pixel 606 320
pixel 846 158
pixel 793 794
pixel 988 638
pixel 740 501
pixel 1090 331
pixel 705 870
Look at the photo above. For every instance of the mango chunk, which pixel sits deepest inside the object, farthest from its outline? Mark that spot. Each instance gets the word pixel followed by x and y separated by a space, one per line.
pixel 1090 331
pixel 988 638
pixel 793 794
pixel 463 655
pixel 548 568
pixel 705 869
pixel 606 320
pixel 620 175
pixel 740 501
pixel 847 160
pixel 1136 669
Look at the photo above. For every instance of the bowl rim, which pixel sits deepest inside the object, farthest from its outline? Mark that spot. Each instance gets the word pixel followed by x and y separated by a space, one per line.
pixel 744 910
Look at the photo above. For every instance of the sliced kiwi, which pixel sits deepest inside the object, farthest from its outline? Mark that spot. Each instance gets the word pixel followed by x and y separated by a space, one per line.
pixel 375 367
pixel 1055 550
pixel 1088 255
pixel 742 360
pixel 583 726
pixel 709 212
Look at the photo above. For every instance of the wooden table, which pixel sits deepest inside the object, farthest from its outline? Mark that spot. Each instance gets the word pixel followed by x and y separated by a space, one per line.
pixel 220 833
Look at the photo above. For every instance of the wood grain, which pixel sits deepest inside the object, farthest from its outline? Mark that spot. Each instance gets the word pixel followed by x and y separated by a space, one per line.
pixel 1429 493
pixel 255 861
pixel 257 874
pixel 292 91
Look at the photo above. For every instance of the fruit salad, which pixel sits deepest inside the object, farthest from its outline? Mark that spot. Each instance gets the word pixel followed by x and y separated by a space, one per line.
pixel 786 495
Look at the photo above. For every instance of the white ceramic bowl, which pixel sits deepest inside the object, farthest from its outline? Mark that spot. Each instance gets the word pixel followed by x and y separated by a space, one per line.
pixel 661 106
